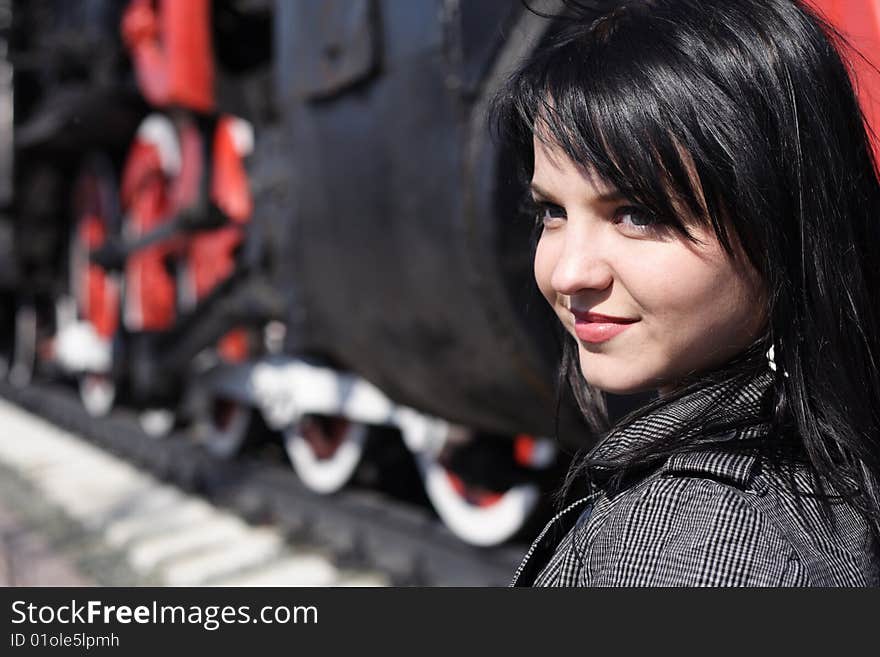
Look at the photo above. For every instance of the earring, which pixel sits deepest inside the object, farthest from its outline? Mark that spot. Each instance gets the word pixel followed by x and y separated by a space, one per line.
pixel 771 360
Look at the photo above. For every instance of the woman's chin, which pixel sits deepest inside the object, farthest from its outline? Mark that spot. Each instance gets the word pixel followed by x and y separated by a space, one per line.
pixel 614 376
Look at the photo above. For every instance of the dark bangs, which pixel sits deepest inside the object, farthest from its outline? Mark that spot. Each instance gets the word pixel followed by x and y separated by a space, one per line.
pixel 630 99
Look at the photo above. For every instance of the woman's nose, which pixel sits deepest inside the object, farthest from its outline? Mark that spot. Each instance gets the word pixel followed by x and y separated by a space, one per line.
pixel 582 265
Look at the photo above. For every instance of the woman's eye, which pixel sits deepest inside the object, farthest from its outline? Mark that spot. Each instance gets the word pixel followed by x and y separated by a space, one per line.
pixel 635 218
pixel 546 213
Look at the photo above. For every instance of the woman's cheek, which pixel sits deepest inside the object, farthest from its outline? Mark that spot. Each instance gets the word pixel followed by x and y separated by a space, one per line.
pixel 669 279
pixel 544 264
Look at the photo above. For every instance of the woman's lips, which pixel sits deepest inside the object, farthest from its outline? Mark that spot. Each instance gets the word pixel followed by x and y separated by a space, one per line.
pixel 596 328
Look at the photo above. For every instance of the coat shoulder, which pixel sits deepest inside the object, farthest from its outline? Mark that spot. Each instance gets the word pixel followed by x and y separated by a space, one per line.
pixel 688 529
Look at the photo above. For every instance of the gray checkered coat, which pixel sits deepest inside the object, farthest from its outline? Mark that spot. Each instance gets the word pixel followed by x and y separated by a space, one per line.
pixel 709 518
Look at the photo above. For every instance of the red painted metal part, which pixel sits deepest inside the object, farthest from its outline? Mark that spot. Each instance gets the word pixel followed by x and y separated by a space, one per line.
pixel 524 449
pixel 230 189
pixel 211 254
pixel 473 495
pixel 170 44
pixel 100 301
pixel 184 187
pixel 235 346
pixel 150 289
pixel 151 197
pixel 97 295
pixel 859 22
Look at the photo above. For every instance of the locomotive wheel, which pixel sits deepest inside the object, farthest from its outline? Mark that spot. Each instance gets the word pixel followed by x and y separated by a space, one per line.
pixel 97 393
pixel 95 292
pixel 24 347
pixel 478 511
pixel 325 451
pixel 227 427
pixel 477 516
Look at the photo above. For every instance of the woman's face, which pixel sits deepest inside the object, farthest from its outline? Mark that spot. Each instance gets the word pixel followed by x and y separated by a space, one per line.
pixel 645 305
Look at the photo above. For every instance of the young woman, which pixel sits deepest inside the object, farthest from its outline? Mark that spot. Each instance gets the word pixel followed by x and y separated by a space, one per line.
pixel 709 215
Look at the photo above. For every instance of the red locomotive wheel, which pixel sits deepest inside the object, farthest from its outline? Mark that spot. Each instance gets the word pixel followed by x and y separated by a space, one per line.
pixel 161 175
pixel 325 451
pixel 88 348
pixel 482 513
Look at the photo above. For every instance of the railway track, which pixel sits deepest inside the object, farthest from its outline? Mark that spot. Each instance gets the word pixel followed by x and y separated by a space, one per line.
pixel 359 528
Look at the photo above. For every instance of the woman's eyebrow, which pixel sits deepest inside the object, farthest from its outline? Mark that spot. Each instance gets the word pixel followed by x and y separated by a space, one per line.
pixel 537 191
pixel 611 196
pixel 608 196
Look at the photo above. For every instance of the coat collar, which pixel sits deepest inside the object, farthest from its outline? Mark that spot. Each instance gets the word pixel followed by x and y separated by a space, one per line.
pixel 718 404
pixel 729 403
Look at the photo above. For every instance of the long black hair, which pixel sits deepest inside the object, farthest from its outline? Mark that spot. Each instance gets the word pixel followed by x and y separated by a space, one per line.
pixel 743 113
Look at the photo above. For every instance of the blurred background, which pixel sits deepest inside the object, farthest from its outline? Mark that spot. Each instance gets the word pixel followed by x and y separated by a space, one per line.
pixel 267 253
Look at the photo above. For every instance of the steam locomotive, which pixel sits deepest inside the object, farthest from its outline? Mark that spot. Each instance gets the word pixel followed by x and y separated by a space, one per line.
pixel 230 213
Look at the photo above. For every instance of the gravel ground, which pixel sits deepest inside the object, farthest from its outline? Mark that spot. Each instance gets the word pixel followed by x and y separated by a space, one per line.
pixel 74 514
pixel 41 546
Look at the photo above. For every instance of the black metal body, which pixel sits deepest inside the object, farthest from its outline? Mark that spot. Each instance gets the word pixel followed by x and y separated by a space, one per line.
pixel 404 257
